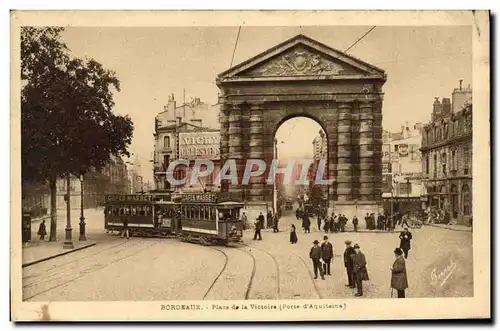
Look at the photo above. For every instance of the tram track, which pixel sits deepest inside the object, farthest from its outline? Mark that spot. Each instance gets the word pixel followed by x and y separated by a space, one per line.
pixel 252 275
pixel 278 290
pixel 81 274
pixel 311 277
pixel 226 259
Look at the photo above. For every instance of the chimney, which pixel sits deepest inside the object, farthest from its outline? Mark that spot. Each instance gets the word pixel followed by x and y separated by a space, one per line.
pixel 460 84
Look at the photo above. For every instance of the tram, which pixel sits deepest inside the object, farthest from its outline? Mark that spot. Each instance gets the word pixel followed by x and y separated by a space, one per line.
pixel 208 219
pixel 204 218
pixel 145 216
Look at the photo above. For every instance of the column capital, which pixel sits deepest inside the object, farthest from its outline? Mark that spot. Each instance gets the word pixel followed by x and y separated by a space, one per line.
pixel 256 105
pixel 344 105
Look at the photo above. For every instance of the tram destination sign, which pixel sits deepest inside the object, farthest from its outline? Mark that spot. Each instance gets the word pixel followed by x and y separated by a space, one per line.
pixel 129 197
pixel 199 197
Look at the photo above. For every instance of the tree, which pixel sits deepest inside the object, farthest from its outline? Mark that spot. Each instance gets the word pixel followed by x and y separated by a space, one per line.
pixel 67 123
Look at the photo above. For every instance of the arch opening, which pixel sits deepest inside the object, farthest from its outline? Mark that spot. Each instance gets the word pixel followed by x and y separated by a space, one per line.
pixel 301 153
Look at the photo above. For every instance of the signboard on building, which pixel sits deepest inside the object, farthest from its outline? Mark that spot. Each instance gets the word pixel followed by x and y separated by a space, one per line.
pixel 403 150
pixel 394 157
pixel 199 145
pixel 386 168
pixel 386 153
pixel 386 183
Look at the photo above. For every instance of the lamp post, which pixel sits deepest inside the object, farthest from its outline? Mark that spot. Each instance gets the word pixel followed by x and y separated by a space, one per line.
pixel 68 241
pixel 83 237
pixel 275 191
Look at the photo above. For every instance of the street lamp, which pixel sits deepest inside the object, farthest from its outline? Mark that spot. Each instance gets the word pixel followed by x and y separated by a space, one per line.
pixel 82 218
pixel 68 241
pixel 275 192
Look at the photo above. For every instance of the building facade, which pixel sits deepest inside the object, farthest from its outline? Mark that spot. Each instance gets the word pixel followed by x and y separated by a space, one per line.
pixel 185 138
pixel 403 170
pixel 447 156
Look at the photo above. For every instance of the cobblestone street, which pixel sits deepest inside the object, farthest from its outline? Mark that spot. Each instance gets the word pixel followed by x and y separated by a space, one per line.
pixel 166 269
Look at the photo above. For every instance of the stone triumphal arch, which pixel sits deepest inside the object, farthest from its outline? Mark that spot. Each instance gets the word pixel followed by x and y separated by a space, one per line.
pixel 302 77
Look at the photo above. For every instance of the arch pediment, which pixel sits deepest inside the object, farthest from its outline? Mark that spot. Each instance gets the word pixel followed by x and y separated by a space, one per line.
pixel 302 57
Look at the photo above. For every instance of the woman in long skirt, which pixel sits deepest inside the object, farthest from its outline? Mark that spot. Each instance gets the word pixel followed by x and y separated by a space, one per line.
pixel 293 235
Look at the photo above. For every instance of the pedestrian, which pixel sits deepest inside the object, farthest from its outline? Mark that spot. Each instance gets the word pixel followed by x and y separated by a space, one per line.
pixel 293 235
pixel 320 216
pixel 359 269
pixel 405 245
pixel 244 220
pixel 348 254
pixel 275 223
pixel 327 254
pixel 269 219
pixel 258 226
pixel 315 255
pixel 306 223
pixel 399 280
pixel 125 231
pixel 355 223
pixel 367 222
pixel 297 214
pixel 42 230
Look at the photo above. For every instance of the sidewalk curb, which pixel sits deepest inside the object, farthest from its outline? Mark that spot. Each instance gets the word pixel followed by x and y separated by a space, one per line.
pixel 451 229
pixel 57 255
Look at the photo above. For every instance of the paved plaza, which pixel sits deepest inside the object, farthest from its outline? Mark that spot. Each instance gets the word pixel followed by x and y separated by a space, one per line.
pixel 439 265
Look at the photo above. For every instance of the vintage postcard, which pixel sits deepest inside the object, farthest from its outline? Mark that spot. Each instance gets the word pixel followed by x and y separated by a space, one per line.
pixel 250 166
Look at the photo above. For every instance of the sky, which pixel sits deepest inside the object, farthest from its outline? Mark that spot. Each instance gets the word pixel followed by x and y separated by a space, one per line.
pixel 151 63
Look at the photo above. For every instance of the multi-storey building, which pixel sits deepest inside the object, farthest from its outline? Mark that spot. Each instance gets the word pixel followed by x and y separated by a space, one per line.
pixel 402 170
pixel 180 134
pixel 447 156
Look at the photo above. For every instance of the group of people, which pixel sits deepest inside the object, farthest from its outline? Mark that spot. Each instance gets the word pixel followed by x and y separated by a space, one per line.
pixel 356 265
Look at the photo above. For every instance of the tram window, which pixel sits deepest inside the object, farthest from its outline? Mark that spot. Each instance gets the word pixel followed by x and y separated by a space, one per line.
pixel 148 210
pixel 116 211
pixel 134 211
pixel 142 212
pixel 213 214
pixel 207 213
pixel 121 211
pixel 197 212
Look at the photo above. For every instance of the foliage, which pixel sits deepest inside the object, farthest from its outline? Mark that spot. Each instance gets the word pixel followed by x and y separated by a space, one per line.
pixel 67 123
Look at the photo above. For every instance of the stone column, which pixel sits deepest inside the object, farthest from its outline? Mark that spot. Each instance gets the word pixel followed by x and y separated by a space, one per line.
pixel 256 189
pixel 236 146
pixel 366 157
pixel 224 139
pixel 332 140
pixel 344 148
pixel 377 149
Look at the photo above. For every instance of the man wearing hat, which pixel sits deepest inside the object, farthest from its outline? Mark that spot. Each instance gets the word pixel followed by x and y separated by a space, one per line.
pixel 348 253
pixel 405 245
pixel 359 269
pixel 327 255
pixel 399 280
pixel 315 254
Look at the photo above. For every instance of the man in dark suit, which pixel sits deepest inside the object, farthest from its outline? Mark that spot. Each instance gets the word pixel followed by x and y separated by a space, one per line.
pixel 359 269
pixel 315 254
pixel 327 254
pixel 258 226
pixel 405 245
pixel 348 253
pixel 399 280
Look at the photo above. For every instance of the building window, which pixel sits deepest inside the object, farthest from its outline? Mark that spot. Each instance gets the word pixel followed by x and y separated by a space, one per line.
pixel 466 161
pixel 435 165
pixel 453 160
pixel 405 188
pixel 466 200
pixel 166 142
pixel 166 162
pixel 427 164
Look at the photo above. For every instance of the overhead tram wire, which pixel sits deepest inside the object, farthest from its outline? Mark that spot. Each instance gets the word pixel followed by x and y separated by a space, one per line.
pixel 357 41
pixel 235 45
